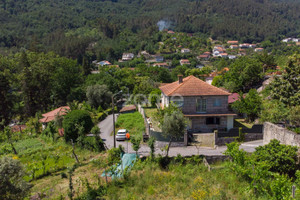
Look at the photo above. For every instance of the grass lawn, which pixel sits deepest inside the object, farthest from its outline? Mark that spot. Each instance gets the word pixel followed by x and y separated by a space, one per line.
pixel 133 122
pixel 242 123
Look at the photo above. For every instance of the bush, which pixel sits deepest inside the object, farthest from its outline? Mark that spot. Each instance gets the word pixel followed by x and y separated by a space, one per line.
pixel 94 143
pixel 115 155
pixel 280 158
pixel 73 120
pixel 164 161
pixel 12 184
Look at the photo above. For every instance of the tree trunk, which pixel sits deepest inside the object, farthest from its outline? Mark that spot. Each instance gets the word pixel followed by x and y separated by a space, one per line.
pixel 14 149
pixel 169 147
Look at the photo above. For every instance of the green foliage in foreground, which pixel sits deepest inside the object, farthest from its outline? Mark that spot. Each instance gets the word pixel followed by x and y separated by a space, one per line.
pixel 188 178
pixel 270 170
pixel 12 184
pixel 133 122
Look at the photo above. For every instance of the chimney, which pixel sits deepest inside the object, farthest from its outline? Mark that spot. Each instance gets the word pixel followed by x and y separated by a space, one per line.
pixel 180 79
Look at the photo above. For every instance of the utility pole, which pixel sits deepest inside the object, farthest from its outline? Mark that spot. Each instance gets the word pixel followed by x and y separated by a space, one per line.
pixel 113 113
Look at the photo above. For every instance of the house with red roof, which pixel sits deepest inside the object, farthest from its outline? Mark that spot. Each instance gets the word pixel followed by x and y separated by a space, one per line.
pixel 50 116
pixel 184 62
pixel 232 42
pixel 205 106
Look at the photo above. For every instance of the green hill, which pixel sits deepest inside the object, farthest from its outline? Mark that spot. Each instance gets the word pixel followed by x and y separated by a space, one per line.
pixel 28 21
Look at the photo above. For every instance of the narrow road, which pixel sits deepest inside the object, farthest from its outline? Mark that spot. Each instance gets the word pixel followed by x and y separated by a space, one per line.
pixel 106 128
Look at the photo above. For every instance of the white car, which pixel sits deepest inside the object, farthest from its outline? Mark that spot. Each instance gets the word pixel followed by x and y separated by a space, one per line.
pixel 121 135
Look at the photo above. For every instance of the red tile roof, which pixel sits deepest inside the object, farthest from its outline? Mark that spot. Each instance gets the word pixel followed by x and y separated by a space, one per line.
pixel 128 108
pixel 233 97
pixel 232 42
pixel 50 116
pixel 191 86
pixel 18 128
pixel 204 56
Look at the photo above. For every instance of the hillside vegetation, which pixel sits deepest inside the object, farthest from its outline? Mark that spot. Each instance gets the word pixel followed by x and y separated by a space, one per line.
pixel 32 22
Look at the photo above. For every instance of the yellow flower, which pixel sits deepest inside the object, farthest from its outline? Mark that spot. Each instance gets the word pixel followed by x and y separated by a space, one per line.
pixel 15 157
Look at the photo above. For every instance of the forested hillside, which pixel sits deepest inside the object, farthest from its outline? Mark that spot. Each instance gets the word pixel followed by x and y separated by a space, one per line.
pixel 39 22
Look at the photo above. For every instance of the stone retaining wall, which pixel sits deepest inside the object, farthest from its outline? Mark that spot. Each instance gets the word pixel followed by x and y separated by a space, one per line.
pixel 285 136
pixel 221 141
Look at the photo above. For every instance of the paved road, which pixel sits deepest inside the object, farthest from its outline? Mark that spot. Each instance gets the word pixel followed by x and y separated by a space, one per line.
pixel 106 128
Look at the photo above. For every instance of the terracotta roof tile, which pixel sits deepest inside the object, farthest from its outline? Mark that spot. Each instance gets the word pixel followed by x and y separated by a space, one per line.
pixel 192 86
pixel 128 108
pixel 50 116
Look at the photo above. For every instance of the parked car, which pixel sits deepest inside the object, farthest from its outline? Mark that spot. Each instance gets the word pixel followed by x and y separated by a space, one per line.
pixel 121 135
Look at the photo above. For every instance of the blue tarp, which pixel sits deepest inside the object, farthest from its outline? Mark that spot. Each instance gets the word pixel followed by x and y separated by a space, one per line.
pixel 127 161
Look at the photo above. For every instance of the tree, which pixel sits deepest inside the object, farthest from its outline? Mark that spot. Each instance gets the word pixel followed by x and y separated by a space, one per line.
pixel 268 61
pixel 98 95
pixel 274 111
pixel 6 100
pixel 294 116
pixel 12 184
pixel 173 126
pixel 151 144
pixel 8 137
pixel 280 158
pixel 250 104
pixel 75 119
pixel 287 87
pixel 155 97
pixel 135 141
pixel 244 73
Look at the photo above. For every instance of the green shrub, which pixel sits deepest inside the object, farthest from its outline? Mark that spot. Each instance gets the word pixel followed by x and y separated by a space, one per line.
pixel 163 161
pixel 94 143
pixel 12 184
pixel 280 158
pixel 73 120
pixel 115 155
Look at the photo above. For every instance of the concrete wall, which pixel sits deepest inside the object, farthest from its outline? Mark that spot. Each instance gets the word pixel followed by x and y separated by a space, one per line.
pixel 221 141
pixel 273 131
pixel 205 139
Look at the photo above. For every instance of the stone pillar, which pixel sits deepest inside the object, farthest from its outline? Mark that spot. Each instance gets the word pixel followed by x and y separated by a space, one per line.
pixel 186 138
pixel 215 138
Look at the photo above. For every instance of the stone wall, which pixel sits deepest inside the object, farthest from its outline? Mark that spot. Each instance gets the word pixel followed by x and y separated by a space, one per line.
pixel 221 141
pixel 205 139
pixel 273 131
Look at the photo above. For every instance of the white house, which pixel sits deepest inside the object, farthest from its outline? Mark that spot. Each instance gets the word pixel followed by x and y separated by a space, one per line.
pixel 287 40
pixel 234 46
pixel 258 49
pixel 231 56
pixel 185 50
pixel 184 62
pixel 127 56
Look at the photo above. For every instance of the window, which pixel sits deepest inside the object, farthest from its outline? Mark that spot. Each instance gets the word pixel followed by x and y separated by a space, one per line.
pixel 212 120
pixel 217 102
pixel 178 101
pixel 201 105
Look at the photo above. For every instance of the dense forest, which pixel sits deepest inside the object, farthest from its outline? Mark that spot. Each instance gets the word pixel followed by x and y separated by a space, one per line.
pixel 42 25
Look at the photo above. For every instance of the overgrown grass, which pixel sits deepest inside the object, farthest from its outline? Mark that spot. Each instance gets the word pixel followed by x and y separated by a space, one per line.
pixel 180 181
pixel 42 157
pixel 133 122
pixel 152 113
pixel 242 123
